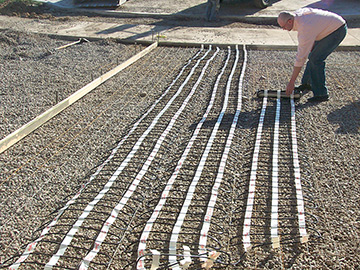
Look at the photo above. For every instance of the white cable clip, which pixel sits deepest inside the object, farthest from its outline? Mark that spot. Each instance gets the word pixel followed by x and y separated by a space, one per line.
pixel 185 263
pixel 266 93
pixel 213 255
pixel 156 259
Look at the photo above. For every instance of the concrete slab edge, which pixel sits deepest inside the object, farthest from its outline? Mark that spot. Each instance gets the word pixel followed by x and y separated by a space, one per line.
pixel 198 44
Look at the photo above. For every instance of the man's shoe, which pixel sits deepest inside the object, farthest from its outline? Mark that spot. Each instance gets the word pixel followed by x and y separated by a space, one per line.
pixel 319 98
pixel 302 89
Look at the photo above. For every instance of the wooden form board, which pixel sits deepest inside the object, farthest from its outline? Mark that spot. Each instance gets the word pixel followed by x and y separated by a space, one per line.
pixel 25 130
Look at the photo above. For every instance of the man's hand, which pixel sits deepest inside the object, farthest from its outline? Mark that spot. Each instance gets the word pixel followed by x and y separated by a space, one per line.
pixel 290 88
pixel 291 85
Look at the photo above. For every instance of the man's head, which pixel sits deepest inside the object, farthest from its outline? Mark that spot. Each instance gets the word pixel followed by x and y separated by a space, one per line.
pixel 286 20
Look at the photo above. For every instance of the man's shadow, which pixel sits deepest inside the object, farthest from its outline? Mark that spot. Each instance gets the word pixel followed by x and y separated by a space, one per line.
pixel 347 117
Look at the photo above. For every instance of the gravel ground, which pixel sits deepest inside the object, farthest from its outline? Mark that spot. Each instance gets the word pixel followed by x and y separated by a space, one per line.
pixel 44 75
pixel 42 172
pixel 328 135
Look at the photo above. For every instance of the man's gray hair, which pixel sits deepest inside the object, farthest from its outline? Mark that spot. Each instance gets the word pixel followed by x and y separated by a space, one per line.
pixel 284 16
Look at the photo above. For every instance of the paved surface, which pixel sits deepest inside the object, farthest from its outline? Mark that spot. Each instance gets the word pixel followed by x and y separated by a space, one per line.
pixel 203 32
pixel 229 8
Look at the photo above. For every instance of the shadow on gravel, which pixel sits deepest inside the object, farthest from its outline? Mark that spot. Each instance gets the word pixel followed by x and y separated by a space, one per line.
pixel 348 117
pixel 246 120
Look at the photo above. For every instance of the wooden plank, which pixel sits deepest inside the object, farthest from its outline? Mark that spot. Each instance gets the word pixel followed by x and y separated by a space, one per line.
pixel 25 130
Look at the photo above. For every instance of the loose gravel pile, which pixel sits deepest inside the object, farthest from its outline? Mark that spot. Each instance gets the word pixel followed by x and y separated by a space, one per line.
pixel 43 171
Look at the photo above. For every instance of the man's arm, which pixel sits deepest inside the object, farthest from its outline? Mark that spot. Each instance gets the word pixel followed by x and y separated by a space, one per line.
pixel 291 85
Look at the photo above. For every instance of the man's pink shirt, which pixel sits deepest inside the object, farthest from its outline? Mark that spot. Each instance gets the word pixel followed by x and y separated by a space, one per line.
pixel 313 25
